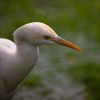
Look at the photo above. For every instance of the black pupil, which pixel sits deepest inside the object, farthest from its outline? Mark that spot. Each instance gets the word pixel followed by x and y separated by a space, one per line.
pixel 46 37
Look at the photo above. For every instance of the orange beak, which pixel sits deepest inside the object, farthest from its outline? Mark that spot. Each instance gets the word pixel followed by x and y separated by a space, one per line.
pixel 64 42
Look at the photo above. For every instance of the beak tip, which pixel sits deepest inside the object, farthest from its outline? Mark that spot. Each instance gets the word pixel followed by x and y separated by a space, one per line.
pixel 79 50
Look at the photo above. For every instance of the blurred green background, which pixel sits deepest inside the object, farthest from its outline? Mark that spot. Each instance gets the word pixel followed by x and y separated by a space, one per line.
pixel 60 73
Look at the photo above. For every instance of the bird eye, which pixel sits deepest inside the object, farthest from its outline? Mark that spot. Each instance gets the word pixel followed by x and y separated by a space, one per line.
pixel 46 37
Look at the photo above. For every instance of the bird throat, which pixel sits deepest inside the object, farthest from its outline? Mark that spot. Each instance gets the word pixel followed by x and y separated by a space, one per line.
pixel 26 59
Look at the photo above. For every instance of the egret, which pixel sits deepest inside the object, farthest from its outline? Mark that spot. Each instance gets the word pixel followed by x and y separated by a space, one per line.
pixel 17 59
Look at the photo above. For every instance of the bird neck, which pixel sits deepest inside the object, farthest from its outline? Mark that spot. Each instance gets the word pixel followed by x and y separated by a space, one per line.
pixel 27 55
pixel 23 60
pixel 27 51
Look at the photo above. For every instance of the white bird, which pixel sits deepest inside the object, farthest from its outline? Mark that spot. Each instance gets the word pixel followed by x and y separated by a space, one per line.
pixel 17 59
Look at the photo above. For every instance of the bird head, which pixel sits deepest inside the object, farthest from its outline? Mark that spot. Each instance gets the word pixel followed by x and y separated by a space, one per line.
pixel 37 33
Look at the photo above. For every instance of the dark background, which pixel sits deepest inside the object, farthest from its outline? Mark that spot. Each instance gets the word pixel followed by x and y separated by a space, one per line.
pixel 60 73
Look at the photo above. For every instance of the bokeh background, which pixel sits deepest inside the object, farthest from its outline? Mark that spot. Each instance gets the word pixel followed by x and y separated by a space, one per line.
pixel 60 73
